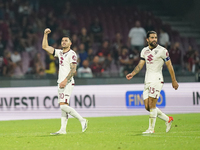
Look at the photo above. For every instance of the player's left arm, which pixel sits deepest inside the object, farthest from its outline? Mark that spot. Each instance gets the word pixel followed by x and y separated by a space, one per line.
pixel 70 74
pixel 172 74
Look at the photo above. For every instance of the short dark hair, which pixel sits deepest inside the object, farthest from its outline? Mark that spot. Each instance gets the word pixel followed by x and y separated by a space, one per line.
pixel 67 36
pixel 150 32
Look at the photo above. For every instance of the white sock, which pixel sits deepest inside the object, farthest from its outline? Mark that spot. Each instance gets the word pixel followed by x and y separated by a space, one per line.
pixel 152 118
pixel 161 115
pixel 64 119
pixel 72 112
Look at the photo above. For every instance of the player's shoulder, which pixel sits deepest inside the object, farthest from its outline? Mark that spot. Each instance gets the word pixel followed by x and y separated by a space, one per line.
pixel 145 49
pixel 161 48
pixel 72 52
pixel 57 50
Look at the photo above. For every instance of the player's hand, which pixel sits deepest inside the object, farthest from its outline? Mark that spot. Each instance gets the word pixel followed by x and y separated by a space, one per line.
pixel 47 31
pixel 175 84
pixel 129 76
pixel 63 84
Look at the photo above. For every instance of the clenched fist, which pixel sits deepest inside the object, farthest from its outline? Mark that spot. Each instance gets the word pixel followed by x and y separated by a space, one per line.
pixel 47 31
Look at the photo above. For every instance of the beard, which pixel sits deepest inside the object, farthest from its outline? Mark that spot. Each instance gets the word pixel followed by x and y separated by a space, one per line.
pixel 153 44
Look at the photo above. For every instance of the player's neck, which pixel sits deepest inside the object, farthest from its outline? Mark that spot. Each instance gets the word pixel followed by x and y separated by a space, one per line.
pixel 152 47
pixel 66 50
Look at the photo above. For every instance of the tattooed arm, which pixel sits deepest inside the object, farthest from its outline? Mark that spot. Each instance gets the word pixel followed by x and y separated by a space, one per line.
pixel 136 69
pixel 72 71
pixel 70 74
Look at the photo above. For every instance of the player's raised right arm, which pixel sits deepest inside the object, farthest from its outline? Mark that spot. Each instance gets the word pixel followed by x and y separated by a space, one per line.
pixel 45 44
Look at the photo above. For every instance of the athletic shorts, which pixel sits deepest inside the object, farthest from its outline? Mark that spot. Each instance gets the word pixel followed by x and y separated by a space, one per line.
pixel 152 89
pixel 65 93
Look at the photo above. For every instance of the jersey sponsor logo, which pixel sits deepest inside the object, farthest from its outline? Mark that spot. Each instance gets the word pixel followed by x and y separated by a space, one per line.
pixel 150 58
pixel 61 61
pixel 134 99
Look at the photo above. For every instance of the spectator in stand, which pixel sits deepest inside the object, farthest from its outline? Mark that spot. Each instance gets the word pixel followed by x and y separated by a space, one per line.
pixel 126 61
pixel 50 64
pixel 85 71
pixel 196 66
pixel 96 67
pixel 38 66
pixel 137 37
pixel 104 54
pixel 75 40
pixel 90 56
pixel 8 65
pixel 96 31
pixel 188 58
pixel 16 59
pixel 85 38
pixel 82 53
pixel 164 39
pixel 116 47
pixel 175 56
pixel 149 26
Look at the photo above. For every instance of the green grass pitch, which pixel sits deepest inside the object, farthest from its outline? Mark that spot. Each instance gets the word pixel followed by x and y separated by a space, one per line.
pixel 103 133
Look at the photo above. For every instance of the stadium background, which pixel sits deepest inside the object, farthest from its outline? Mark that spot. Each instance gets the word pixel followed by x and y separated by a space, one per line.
pixel 22 95
pixel 179 18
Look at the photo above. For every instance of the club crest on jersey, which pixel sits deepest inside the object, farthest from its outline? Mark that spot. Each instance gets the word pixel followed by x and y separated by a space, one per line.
pixel 156 52
pixel 61 61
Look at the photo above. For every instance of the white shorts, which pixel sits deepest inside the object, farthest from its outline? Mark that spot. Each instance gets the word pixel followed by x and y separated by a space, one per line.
pixel 65 93
pixel 152 89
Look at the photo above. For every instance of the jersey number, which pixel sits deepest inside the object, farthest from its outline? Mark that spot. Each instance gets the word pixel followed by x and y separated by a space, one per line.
pixel 151 90
pixel 61 95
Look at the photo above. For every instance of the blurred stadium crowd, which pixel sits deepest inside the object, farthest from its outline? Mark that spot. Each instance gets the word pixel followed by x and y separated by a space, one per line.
pixel 107 39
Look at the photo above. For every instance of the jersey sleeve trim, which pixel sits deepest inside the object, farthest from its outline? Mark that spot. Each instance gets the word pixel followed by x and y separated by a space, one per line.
pixel 54 52
pixel 142 58
pixel 74 62
pixel 166 59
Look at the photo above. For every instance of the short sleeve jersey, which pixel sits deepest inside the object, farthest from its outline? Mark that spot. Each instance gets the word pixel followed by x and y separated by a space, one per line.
pixel 65 59
pixel 154 59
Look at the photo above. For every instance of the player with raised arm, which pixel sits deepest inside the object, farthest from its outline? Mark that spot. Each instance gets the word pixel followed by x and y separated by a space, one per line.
pixel 67 68
pixel 154 56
